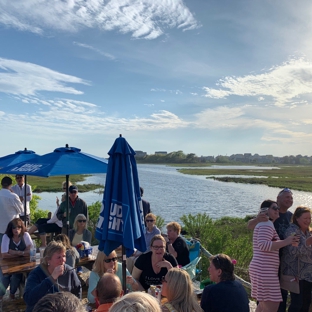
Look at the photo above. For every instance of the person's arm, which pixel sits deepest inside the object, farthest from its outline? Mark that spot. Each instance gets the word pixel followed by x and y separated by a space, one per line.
pixel 6 252
pixel 135 284
pixel 206 300
pixel 76 284
pixel 61 211
pixel 17 204
pixel 261 217
pixel 87 236
pixel 171 250
pixel 28 193
pixel 93 280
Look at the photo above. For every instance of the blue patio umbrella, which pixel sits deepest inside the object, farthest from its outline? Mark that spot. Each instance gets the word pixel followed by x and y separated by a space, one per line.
pixel 62 161
pixel 121 220
pixel 15 158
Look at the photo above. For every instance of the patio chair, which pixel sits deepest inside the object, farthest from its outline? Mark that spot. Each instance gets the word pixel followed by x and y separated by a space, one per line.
pixel 191 268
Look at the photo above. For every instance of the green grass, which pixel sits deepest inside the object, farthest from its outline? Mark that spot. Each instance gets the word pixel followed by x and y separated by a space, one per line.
pixel 295 177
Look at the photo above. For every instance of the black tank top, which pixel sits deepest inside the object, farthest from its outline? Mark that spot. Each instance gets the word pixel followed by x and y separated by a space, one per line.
pixel 21 246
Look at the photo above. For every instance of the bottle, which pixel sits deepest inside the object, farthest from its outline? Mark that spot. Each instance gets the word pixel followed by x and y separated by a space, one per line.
pixel 32 252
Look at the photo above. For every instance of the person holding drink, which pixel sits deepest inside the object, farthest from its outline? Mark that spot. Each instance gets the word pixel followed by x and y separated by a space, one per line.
pixel 297 259
pixel 264 266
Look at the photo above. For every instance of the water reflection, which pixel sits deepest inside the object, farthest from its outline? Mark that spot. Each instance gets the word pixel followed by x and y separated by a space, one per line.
pixel 173 194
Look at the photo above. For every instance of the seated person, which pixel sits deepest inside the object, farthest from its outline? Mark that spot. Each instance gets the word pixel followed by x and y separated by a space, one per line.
pixel 45 225
pixel 80 232
pixel 226 295
pixel 176 245
pixel 150 267
pixel 16 242
pixel 72 255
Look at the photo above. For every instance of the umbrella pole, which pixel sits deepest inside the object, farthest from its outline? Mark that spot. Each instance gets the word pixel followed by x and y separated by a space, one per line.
pixel 25 201
pixel 67 207
pixel 124 267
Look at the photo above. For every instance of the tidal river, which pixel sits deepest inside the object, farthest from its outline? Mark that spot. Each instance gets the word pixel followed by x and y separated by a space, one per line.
pixel 173 194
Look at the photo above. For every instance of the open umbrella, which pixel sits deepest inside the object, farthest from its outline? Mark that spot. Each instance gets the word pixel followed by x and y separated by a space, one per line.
pixel 121 217
pixel 62 161
pixel 15 158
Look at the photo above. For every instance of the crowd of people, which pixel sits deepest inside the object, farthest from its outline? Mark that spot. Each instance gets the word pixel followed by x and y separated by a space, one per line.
pixel 281 249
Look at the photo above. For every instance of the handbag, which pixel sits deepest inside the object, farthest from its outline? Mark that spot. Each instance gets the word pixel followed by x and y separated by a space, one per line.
pixel 289 282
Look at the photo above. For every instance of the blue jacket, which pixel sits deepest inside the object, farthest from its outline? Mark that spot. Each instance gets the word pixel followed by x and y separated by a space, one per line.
pixel 39 283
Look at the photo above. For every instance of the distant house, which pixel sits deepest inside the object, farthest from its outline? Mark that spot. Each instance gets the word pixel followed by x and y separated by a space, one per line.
pixel 140 154
pixel 161 153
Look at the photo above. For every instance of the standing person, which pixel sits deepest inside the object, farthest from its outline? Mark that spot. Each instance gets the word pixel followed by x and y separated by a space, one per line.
pixel 107 291
pixel 297 259
pixel 227 295
pixel 80 232
pixel 16 242
pixel 19 190
pixel 51 276
pixel 176 245
pixel 11 206
pixel 264 266
pixel 146 204
pixel 284 201
pixel 177 287
pixel 76 206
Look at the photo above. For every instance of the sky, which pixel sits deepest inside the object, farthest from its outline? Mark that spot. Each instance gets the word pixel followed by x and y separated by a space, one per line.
pixel 210 77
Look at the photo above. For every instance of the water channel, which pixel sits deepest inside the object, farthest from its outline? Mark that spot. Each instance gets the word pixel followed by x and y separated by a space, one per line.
pixel 172 194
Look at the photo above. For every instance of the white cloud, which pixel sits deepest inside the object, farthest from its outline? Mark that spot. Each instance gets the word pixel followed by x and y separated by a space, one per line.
pixel 28 79
pixel 149 105
pixel 108 55
pixel 143 19
pixel 194 93
pixel 283 83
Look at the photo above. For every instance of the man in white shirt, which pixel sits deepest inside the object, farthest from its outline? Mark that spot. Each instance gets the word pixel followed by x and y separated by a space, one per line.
pixel 10 205
pixel 19 190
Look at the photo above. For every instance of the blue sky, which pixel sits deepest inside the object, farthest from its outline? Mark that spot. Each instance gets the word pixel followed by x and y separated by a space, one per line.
pixel 202 76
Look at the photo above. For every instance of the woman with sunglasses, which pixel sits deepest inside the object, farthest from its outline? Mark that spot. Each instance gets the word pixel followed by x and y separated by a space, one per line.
pixel 150 267
pixel 104 264
pixel 16 242
pixel 226 295
pixel 177 287
pixel 297 259
pixel 263 268
pixel 80 232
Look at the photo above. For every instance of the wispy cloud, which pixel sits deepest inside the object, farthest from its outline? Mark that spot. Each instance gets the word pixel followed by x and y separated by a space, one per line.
pixel 27 79
pixel 83 45
pixel 282 83
pixel 146 19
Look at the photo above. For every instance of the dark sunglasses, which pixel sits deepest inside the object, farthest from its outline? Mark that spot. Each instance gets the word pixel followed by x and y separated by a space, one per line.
pixel 275 208
pixel 71 192
pixel 17 178
pixel 149 220
pixel 109 260
pixel 16 227
pixel 80 221
pixel 163 279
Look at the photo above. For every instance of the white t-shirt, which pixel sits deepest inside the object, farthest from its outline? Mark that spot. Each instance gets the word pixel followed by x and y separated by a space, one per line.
pixel 6 242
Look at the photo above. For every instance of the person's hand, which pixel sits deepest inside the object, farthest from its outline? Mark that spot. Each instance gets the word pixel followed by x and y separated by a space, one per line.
pixel 110 271
pixel 57 201
pixel 309 241
pixel 166 239
pixel 21 198
pixel 293 240
pixel 58 271
pixel 64 214
pixel 262 217
pixel 164 264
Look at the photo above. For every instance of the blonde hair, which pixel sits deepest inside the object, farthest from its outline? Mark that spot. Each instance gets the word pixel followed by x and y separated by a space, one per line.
pixel 64 184
pixel 79 217
pixel 98 266
pixel 180 292
pixel 51 249
pixel 157 237
pixel 150 215
pixel 174 226
pixel 136 302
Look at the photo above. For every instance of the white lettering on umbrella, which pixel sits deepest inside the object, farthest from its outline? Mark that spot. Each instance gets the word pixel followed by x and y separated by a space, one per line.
pixel 115 217
pixel 27 168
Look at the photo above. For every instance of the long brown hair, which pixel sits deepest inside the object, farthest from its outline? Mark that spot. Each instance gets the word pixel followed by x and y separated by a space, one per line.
pixel 14 223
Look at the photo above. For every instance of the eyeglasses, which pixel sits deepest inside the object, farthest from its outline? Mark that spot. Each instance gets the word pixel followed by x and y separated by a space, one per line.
pixel 16 227
pixel 111 259
pixel 163 279
pixel 80 221
pixel 158 247
pixel 276 208
pixel 149 220
pixel 285 190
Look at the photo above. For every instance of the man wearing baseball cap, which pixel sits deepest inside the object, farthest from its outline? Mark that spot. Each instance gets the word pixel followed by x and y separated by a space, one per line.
pixel 76 206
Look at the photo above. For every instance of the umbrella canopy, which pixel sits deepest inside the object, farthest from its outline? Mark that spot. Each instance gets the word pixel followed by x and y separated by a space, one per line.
pixel 62 161
pixel 17 157
pixel 121 220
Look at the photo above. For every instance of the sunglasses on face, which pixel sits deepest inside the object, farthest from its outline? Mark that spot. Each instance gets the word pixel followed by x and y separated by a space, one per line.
pixel 150 220
pixel 275 208
pixel 163 279
pixel 111 259
pixel 16 227
pixel 80 221
pixel 18 178
pixel 73 192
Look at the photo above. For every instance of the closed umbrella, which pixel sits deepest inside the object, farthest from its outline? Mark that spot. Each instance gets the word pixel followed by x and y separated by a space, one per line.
pixel 121 220
pixel 62 161
pixel 15 158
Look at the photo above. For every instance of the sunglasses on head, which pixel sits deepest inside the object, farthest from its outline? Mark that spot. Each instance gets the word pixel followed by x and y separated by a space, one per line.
pixel 82 221
pixel 285 190
pixel 149 220
pixel 111 259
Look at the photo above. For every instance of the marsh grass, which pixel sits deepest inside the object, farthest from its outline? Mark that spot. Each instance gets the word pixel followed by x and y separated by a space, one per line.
pixel 295 177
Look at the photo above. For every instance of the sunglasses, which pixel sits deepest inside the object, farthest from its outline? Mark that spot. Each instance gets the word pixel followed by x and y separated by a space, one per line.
pixel 80 221
pixel 158 247
pixel 16 227
pixel 149 220
pixel 72 192
pixel 163 279
pixel 18 178
pixel 111 259
pixel 275 208
pixel 285 190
